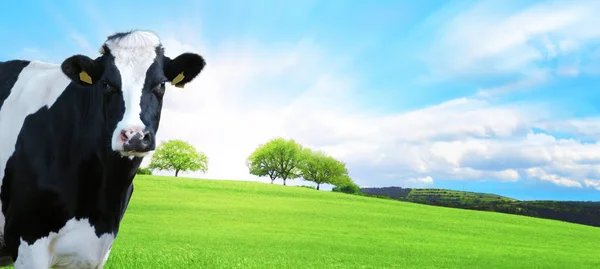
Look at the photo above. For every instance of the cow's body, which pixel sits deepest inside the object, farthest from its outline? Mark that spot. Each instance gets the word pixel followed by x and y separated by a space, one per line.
pixel 69 150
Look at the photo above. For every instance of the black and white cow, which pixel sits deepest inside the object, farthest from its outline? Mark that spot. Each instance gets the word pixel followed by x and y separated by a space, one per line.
pixel 71 139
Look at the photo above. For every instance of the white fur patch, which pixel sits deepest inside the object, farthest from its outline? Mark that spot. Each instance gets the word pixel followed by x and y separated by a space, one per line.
pixel 38 85
pixel 134 53
pixel 35 255
pixel 74 246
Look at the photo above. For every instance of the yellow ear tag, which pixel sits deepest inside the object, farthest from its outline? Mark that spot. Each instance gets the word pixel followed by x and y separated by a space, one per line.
pixel 179 85
pixel 177 79
pixel 83 76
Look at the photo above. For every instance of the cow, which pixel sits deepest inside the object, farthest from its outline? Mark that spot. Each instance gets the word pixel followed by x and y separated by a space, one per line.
pixel 72 136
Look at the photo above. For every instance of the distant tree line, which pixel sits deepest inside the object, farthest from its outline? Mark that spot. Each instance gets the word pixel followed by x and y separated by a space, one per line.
pixel 285 159
pixel 586 213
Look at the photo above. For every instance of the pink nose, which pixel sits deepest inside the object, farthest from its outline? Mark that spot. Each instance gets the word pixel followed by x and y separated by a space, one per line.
pixel 136 139
pixel 129 133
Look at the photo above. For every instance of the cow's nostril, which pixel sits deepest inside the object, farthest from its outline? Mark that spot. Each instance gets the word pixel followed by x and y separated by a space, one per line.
pixel 124 136
pixel 146 138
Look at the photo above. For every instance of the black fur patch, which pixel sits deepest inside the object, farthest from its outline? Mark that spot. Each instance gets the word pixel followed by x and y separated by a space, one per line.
pixel 9 72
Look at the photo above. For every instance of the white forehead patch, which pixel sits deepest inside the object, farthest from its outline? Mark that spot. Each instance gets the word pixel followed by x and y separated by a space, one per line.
pixel 134 53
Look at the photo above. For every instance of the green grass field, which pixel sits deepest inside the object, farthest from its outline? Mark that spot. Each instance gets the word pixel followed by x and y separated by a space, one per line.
pixel 186 223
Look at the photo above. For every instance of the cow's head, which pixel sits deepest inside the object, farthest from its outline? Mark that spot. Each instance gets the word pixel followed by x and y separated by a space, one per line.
pixel 131 74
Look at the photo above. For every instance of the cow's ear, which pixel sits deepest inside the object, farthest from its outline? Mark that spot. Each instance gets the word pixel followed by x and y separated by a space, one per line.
pixel 183 69
pixel 82 70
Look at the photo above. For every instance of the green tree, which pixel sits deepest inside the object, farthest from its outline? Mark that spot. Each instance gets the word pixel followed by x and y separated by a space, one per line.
pixel 344 180
pixel 262 163
pixel 177 155
pixel 319 168
pixel 278 158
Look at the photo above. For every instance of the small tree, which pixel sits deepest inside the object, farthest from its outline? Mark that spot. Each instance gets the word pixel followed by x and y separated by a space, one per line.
pixel 262 163
pixel 319 168
pixel 179 156
pixel 277 158
pixel 287 157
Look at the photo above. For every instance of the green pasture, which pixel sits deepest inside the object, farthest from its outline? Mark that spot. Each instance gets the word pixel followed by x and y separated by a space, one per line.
pixel 187 223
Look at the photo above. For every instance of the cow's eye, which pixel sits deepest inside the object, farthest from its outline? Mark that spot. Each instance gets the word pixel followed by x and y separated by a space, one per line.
pixel 109 88
pixel 159 90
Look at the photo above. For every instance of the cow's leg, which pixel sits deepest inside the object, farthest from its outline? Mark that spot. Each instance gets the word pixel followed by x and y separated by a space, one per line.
pixel 33 217
pixel 34 256
pixel 5 257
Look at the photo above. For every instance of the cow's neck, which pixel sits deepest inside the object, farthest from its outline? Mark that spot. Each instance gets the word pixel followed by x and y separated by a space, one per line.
pixel 104 182
pixel 103 176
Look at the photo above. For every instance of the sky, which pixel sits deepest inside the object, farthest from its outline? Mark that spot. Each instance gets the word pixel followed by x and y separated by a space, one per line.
pixel 487 96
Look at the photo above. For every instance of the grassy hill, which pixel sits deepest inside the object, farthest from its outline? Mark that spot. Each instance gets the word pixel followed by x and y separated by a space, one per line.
pixel 456 196
pixel 423 195
pixel 587 213
pixel 185 223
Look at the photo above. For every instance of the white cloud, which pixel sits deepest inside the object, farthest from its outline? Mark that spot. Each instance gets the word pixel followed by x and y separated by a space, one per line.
pixel 588 127
pixel 250 94
pixel 428 180
pixel 531 79
pixel 592 183
pixel 412 182
pixel 493 38
pixel 556 179
pixel 568 45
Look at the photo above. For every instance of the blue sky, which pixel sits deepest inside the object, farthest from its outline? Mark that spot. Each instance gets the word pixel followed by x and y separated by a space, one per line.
pixel 494 96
